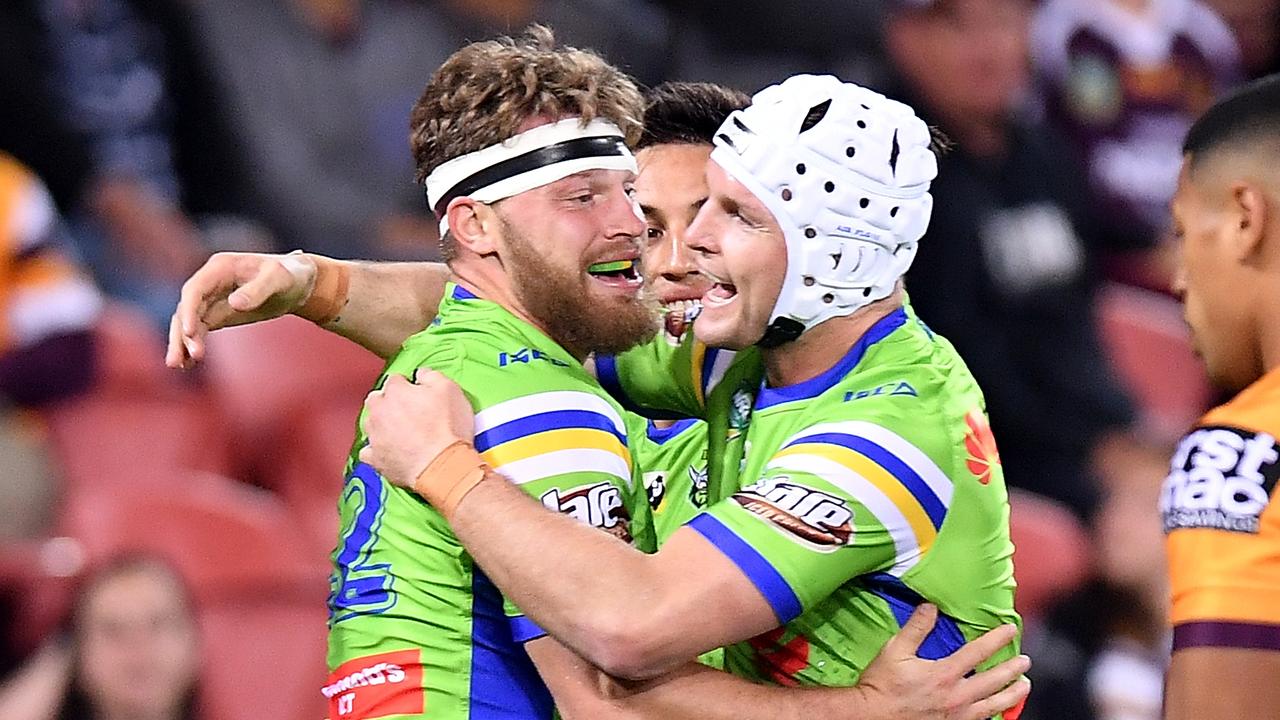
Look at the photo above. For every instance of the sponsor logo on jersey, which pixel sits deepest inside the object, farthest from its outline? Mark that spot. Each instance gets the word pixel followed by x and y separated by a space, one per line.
pixel 980 444
pixel 740 412
pixel 377 686
pixel 598 505
pixel 526 356
pixel 900 388
pixel 802 511
pixel 655 487
pixel 698 485
pixel 778 660
pixel 1220 478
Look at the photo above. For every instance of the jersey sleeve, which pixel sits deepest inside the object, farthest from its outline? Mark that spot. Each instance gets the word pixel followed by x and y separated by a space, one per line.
pixel 1223 538
pixel 663 378
pixel 837 501
pixel 569 450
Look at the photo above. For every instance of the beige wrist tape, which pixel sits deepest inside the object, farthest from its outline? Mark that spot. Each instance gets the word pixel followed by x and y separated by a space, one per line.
pixel 329 294
pixel 448 479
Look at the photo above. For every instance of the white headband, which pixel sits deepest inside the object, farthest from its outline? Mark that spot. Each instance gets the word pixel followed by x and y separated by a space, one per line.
pixel 526 161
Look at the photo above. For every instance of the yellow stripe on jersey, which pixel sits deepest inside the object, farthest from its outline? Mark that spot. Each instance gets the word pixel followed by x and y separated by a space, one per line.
pixel 882 479
pixel 550 441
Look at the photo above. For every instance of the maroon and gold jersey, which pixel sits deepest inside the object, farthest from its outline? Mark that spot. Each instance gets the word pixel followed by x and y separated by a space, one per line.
pixel 1223 535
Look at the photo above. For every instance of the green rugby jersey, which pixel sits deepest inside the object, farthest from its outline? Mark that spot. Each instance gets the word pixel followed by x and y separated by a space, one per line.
pixel 863 492
pixel 673 464
pixel 408 607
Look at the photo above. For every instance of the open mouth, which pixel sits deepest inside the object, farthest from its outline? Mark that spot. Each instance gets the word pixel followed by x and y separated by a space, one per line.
pixel 721 293
pixel 616 273
pixel 678 314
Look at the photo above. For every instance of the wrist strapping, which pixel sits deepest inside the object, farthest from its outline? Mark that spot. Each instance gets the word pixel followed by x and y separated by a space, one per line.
pixel 329 294
pixel 448 478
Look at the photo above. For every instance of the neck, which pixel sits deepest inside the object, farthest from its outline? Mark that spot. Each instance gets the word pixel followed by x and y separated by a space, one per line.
pixel 1269 339
pixel 484 276
pixel 821 347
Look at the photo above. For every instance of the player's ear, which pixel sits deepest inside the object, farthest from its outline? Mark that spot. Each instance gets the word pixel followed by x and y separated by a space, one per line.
pixel 1249 214
pixel 474 225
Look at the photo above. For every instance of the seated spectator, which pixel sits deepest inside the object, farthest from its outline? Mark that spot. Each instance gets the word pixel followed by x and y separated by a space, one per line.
pixel 318 93
pixel 1123 79
pixel 47 309
pixel 155 188
pixel 132 651
pixel 1256 26
pixel 1008 274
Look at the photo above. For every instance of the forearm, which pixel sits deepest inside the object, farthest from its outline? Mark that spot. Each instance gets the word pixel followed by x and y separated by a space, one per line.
pixel 388 302
pixel 585 587
pixel 698 692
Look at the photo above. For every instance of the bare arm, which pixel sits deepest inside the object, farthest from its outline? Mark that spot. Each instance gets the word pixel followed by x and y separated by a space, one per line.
pixel 385 303
pixel 897 685
pixel 1212 683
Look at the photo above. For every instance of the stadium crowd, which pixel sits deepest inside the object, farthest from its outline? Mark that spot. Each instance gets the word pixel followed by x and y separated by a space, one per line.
pixel 165 535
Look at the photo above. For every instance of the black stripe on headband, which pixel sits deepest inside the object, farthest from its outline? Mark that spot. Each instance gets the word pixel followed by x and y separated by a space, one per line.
pixel 577 148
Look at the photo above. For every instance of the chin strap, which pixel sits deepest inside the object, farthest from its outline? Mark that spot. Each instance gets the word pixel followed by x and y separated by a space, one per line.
pixel 781 330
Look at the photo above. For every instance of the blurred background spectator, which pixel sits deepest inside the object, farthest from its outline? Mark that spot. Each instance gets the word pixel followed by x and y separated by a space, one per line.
pixel 1124 79
pixel 131 651
pixel 166 129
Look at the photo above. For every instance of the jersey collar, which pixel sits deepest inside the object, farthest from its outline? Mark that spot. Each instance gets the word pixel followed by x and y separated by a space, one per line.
pixel 815 386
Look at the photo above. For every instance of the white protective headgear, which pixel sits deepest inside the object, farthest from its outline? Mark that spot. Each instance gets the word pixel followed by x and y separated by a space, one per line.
pixel 846 172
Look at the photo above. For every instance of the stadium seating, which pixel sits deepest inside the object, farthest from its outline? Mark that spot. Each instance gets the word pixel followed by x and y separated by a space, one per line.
pixel 263 376
pixel 1150 349
pixel 259 591
pixel 309 474
pixel 1052 555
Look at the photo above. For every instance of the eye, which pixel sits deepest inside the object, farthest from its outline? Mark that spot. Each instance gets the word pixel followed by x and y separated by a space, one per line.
pixel 630 190
pixel 653 233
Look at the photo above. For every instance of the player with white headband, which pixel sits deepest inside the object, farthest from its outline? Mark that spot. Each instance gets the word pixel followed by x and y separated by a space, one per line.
pixel 819 669
pixel 872 484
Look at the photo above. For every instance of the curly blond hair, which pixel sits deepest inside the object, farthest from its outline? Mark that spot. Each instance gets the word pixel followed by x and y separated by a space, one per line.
pixel 483 92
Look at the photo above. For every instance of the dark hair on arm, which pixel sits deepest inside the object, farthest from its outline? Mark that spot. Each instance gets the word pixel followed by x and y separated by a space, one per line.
pixel 1245 115
pixel 687 113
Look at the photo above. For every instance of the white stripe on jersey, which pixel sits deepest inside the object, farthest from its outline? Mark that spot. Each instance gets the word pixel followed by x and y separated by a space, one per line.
pixel 719 366
pixel 905 543
pixel 563 462
pixel 522 407
pixel 908 453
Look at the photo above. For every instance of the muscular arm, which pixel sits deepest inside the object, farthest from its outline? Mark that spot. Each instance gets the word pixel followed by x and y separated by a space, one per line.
pixel 897 685
pixel 632 615
pixel 385 303
pixel 1212 683
pixel 388 302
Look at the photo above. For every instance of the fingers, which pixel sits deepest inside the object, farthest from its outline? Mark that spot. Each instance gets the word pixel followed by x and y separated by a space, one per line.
pixel 269 279
pixel 972 654
pixel 211 280
pixel 175 354
pixel 907 642
pixel 989 681
pixel 1011 697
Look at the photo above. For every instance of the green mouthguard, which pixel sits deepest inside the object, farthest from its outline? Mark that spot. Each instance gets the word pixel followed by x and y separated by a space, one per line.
pixel 607 267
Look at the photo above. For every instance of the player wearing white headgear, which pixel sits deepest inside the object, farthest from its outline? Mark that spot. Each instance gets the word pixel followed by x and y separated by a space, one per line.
pixel 845 173
pixel 871 484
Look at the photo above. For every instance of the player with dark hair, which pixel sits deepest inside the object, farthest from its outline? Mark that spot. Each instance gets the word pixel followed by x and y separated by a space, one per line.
pixel 1223 536
pixel 228 281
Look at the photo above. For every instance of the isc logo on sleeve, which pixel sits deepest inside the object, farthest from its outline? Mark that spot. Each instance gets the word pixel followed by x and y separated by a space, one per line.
pixel 1221 478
